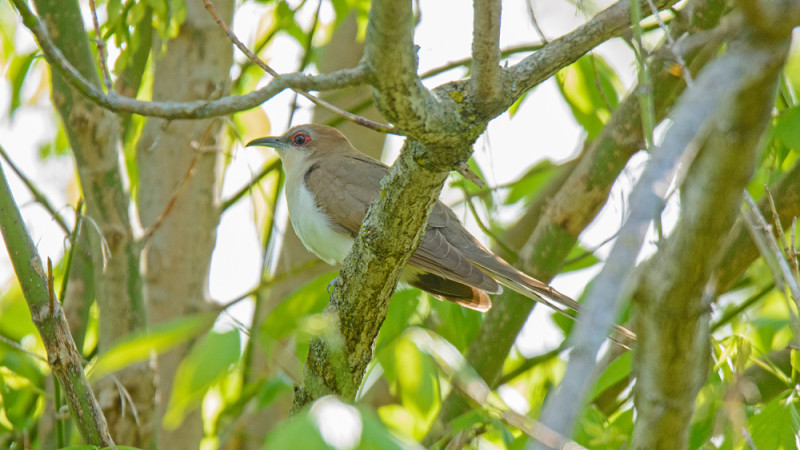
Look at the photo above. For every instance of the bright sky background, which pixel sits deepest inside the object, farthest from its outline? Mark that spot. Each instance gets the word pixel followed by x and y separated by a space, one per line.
pixel 542 129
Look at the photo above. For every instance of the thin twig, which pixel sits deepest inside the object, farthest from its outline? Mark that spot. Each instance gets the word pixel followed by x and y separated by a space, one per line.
pixel 101 49
pixel 73 238
pixel 776 219
pixel 269 167
pixel 15 345
pixel 38 196
pixel 535 22
pixel 383 128
pixel 484 227
pixel 769 249
pixel 270 282
pixel 305 60
pixel 148 233
pixel 195 109
pixel 469 383
pixel 687 77
pixel 51 295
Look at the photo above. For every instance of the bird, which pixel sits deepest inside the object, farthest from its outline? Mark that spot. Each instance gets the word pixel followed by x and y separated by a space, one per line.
pixel 329 187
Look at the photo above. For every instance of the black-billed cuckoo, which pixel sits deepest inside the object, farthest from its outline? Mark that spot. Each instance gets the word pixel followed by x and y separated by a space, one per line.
pixel 330 185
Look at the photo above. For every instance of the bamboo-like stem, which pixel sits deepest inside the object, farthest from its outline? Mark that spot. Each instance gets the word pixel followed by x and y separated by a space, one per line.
pixel 62 354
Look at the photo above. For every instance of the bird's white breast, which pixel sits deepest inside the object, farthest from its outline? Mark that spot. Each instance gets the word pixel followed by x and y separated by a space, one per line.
pixel 313 227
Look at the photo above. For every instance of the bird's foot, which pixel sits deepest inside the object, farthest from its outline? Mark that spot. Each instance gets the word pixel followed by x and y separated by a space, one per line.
pixel 330 285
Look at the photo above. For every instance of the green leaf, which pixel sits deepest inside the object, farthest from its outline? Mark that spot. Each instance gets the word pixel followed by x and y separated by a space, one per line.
pixel 159 339
pixel 591 89
pixel 296 433
pixel 512 110
pixel 20 400
pixel 308 300
pixel 579 258
pixel 401 309
pixel 776 425
pixel 272 389
pixel 207 362
pixel 15 317
pixel 375 435
pixel 418 381
pixel 457 324
pixel 614 373
pixel 787 127
pixel 527 187
pixel 17 72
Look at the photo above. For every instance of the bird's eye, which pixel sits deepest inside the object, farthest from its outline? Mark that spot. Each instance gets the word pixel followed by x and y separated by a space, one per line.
pixel 300 139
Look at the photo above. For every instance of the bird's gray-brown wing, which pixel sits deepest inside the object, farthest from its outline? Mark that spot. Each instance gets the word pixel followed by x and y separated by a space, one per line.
pixel 345 190
pixel 454 233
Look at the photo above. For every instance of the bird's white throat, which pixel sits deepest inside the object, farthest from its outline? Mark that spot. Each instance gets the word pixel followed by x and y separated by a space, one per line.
pixel 313 227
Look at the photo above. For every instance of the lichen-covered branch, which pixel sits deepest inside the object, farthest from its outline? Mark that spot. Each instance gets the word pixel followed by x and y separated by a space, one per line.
pixel 578 200
pixel 672 357
pixel 393 225
pixel 62 354
pixel 397 89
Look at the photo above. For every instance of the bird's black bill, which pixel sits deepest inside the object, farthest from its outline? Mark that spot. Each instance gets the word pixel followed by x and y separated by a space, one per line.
pixel 273 142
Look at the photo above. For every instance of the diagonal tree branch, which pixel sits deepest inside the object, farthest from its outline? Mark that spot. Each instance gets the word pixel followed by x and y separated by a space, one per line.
pixel 546 241
pixel 674 295
pixel 62 354
pixel 694 116
pixel 565 50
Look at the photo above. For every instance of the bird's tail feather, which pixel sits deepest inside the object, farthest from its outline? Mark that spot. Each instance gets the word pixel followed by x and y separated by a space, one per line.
pixel 541 292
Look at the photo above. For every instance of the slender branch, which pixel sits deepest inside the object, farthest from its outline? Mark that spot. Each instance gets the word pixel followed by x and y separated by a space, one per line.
pixel 485 81
pixel 62 354
pixel 562 51
pixel 317 101
pixel 101 48
pixel 646 102
pixel 269 167
pixel 468 61
pixel 471 385
pixel 304 61
pixel 37 194
pixel 770 250
pixel 197 109
pixel 548 232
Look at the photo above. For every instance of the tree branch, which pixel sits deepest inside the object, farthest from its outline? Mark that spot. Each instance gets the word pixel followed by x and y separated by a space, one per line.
pixel 392 60
pixel 486 73
pixel 197 109
pixel 565 50
pixel 673 298
pixel 62 355
pixel 691 121
pixel 547 241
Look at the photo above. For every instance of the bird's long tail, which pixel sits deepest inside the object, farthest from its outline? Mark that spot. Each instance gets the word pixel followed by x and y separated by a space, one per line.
pixel 536 290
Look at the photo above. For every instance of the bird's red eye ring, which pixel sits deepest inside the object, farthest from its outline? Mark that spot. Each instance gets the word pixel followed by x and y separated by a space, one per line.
pixel 300 138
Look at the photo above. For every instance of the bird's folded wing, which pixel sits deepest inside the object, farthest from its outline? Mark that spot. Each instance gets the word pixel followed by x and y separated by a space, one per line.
pixel 345 191
pixel 438 256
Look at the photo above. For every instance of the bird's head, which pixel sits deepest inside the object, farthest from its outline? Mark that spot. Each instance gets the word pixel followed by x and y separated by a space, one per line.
pixel 303 142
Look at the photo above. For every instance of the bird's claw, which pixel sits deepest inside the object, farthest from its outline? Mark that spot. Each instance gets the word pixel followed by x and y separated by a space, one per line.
pixel 330 285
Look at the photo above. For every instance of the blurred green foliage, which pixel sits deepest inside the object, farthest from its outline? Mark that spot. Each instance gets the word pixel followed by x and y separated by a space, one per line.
pixel 411 381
